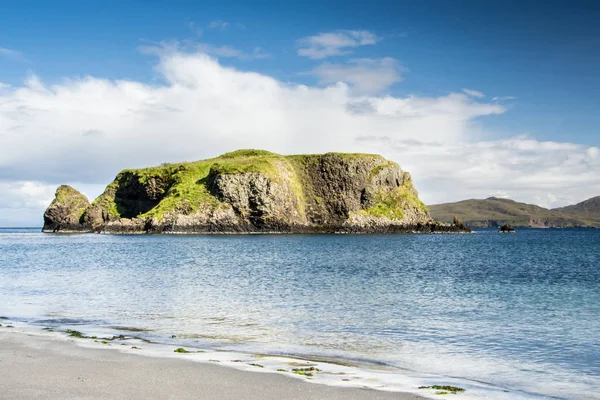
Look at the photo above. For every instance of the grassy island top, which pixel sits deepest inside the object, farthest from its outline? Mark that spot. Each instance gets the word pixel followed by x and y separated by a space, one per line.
pixel 183 187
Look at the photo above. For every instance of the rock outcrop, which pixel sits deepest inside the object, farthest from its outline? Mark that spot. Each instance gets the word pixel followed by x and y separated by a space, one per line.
pixel 251 191
pixel 66 210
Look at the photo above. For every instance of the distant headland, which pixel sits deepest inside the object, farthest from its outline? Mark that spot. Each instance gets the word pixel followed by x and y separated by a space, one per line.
pixel 494 212
pixel 253 191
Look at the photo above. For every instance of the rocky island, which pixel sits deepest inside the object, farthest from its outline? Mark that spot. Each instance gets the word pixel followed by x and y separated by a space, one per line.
pixel 252 191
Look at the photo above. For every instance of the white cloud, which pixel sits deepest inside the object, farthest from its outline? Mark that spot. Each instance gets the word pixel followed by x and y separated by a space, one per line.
pixel 166 48
pixel 259 53
pixel 25 194
pixel 501 194
pixel 524 169
pixel 11 55
pixel 218 24
pixel 503 98
pixel 365 75
pixel 334 43
pixel 195 28
pixel 474 93
pixel 222 51
pixel 232 52
pixel 84 130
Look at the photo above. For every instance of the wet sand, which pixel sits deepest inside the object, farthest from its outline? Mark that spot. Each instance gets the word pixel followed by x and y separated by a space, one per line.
pixel 39 367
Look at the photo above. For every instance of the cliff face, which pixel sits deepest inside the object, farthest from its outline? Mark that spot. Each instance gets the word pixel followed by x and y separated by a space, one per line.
pixel 256 191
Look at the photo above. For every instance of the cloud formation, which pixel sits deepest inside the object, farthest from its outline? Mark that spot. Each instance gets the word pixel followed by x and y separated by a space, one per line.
pixel 218 24
pixel 502 98
pixel 11 55
pixel 364 75
pixel 165 48
pixel 474 93
pixel 335 43
pixel 550 174
pixel 82 131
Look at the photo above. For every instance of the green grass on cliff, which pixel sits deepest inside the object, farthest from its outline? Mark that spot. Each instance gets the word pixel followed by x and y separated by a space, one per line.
pixel 188 193
pixel 248 153
pixel 187 190
pixel 308 158
pixel 69 198
pixel 393 204
pixel 106 201
pixel 381 167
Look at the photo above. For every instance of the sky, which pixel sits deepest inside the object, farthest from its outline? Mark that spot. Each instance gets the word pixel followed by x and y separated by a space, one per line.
pixel 474 99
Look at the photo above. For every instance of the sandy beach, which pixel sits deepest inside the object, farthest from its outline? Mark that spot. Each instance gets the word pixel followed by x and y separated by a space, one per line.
pixel 43 367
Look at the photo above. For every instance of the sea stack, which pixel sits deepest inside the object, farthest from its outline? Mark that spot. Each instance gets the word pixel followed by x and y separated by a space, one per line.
pixel 65 212
pixel 253 191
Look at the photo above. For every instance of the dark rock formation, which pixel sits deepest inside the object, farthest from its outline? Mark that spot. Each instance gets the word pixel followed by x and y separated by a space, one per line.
pixel 66 210
pixel 506 229
pixel 459 224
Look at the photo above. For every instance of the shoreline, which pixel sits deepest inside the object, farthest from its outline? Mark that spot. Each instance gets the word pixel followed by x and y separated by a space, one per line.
pixel 39 365
pixel 325 378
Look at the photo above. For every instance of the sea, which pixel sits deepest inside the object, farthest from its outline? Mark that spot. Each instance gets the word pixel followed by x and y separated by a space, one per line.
pixel 503 315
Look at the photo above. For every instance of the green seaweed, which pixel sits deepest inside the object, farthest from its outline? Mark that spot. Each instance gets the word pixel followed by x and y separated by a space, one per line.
pixel 444 389
pixel 307 371
pixel 76 334
pixel 181 350
pixel 257 365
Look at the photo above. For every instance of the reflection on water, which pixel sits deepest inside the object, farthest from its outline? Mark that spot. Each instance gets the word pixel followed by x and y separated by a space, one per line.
pixel 521 311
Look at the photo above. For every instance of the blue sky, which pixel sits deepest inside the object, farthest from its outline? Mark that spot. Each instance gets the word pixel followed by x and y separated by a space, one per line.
pixel 530 70
pixel 546 54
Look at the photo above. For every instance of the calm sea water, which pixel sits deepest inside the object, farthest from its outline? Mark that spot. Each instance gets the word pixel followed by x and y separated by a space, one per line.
pixel 521 311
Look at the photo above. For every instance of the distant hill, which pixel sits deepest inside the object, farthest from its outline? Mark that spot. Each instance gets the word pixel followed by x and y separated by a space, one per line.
pixel 494 212
pixel 588 209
